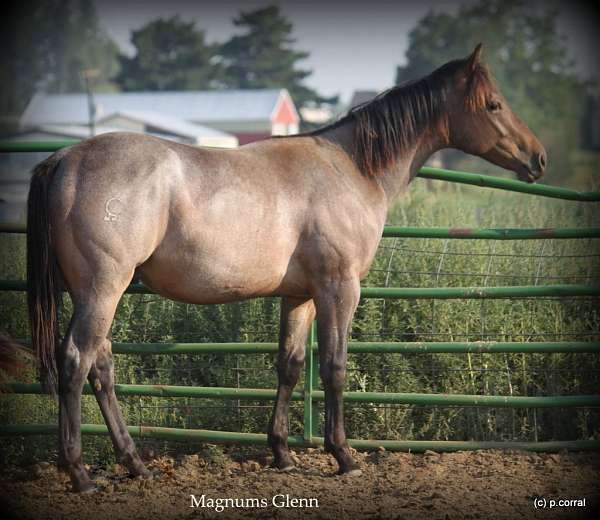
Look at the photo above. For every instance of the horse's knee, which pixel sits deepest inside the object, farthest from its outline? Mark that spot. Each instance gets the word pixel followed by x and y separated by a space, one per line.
pixel 333 375
pixel 289 368
pixel 332 446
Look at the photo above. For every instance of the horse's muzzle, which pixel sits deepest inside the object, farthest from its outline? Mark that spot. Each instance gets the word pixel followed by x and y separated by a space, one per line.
pixel 534 169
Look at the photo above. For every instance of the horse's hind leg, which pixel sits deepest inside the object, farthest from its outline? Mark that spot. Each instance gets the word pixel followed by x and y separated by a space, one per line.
pixel 101 378
pixel 89 327
pixel 296 317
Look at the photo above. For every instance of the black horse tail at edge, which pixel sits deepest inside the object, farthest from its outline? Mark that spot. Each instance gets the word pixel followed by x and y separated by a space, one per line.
pixel 43 274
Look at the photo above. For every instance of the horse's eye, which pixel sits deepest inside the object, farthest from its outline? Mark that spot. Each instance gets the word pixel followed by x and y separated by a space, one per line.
pixel 494 106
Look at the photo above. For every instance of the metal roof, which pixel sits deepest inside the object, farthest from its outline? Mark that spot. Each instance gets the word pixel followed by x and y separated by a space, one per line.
pixel 81 132
pixel 165 123
pixel 361 96
pixel 203 106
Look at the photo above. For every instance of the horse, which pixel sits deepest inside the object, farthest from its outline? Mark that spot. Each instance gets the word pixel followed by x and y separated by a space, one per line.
pixel 299 217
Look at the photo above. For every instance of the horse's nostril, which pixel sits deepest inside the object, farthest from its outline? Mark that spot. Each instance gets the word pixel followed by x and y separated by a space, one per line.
pixel 542 160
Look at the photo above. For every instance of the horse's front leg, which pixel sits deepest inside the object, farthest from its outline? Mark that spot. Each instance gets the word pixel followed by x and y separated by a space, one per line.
pixel 336 302
pixel 296 318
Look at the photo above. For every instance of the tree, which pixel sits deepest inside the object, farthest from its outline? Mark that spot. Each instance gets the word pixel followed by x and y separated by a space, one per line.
pixel 170 55
pixel 527 57
pixel 74 42
pixel 262 57
pixel 46 46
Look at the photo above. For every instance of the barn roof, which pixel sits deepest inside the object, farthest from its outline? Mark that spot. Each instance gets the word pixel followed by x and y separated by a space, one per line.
pixel 165 123
pixel 43 132
pixel 204 106
pixel 361 96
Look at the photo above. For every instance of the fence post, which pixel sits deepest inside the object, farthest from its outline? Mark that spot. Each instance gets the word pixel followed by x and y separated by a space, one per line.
pixel 315 378
pixel 310 371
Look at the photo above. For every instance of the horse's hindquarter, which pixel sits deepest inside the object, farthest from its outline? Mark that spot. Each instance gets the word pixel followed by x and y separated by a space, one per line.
pixel 109 203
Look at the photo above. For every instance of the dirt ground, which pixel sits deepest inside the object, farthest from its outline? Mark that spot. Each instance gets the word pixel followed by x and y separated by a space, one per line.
pixel 488 484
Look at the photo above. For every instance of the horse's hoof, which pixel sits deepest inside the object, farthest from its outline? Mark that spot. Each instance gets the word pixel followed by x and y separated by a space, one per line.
pixel 89 489
pixel 147 474
pixel 283 464
pixel 352 472
pixel 284 467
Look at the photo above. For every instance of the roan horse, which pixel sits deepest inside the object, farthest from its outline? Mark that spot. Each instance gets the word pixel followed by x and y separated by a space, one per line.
pixel 298 217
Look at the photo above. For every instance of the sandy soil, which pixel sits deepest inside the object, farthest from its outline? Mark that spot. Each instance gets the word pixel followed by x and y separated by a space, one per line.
pixel 487 484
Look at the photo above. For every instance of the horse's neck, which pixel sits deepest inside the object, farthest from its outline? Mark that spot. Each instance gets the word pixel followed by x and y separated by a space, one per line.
pixel 395 179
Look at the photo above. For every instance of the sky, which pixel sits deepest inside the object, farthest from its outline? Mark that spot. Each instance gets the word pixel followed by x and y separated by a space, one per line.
pixel 353 45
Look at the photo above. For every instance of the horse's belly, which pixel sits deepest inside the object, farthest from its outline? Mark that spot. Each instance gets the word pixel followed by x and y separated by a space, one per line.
pixel 205 276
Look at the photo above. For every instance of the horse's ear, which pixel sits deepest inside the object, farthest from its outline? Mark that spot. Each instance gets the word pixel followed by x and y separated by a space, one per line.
pixel 474 59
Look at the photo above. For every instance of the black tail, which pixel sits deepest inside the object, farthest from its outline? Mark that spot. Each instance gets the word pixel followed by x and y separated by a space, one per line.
pixel 43 278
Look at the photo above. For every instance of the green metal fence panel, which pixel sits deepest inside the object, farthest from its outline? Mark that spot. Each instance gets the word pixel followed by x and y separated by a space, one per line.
pixel 361 347
pixel 364 347
pixel 474 347
pixel 194 348
pixel 310 395
pixel 310 420
pixel 509 291
pixel 441 232
pixel 35 146
pixel 184 434
pixel 496 401
pixel 253 394
pixel 490 234
pixel 487 181
pixel 427 293
pixel 9 227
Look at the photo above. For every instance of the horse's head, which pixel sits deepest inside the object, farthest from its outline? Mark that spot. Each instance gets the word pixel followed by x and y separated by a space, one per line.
pixel 481 123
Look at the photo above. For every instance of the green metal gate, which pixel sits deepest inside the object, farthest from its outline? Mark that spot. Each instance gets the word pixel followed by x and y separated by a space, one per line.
pixel 310 395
